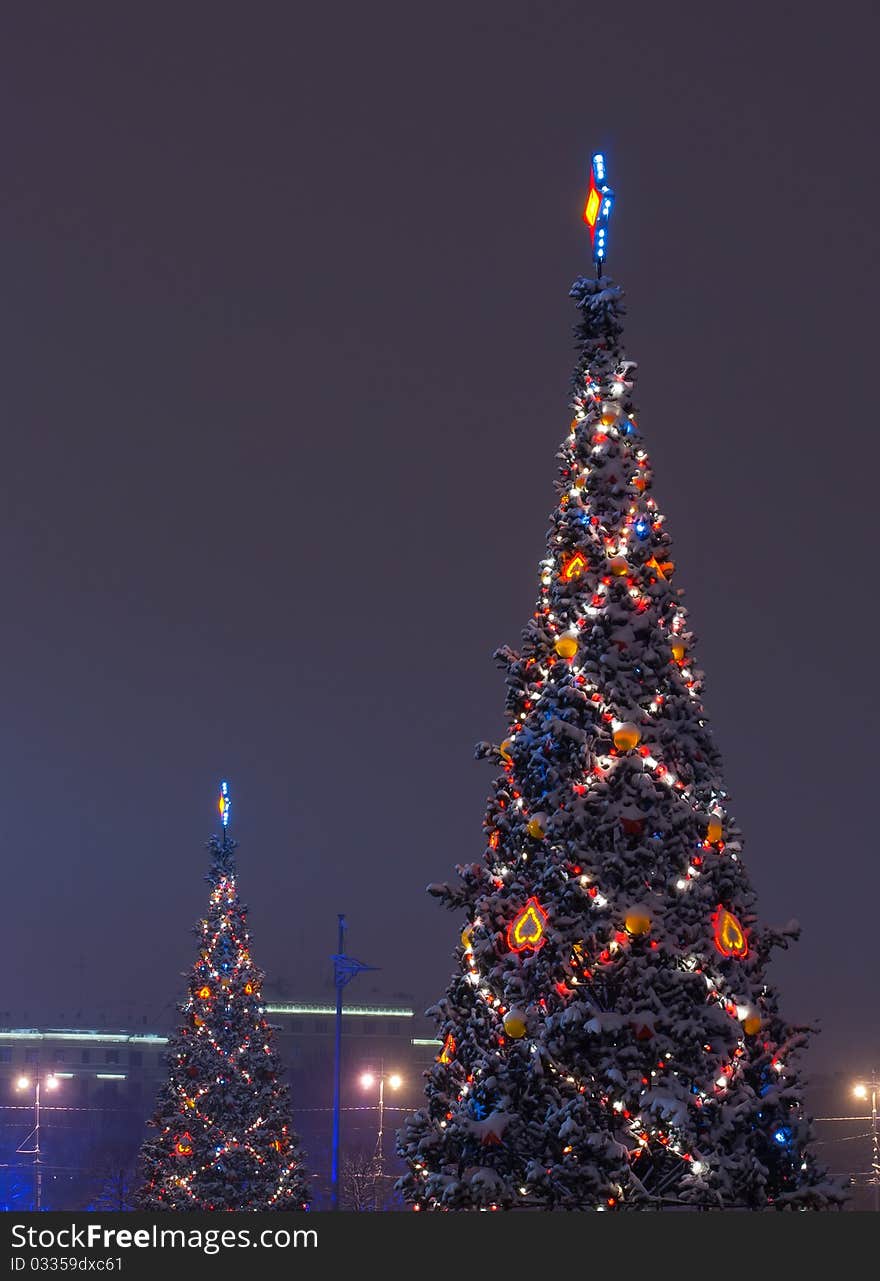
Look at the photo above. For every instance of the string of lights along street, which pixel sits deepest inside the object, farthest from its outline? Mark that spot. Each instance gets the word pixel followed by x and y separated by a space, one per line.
pixel 224 1138
pixel 609 1039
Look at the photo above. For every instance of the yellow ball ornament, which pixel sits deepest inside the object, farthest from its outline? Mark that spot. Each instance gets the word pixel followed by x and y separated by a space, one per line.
pixel 534 829
pixel 752 1024
pixel 637 923
pixel 566 646
pixel 627 736
pixel 514 1025
pixel 618 566
pixel 714 829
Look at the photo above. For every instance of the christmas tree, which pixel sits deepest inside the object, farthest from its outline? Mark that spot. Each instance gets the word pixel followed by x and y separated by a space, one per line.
pixel 223 1116
pixel 610 1039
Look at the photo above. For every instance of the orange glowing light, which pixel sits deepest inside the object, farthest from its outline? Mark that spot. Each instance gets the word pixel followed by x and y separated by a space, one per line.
pixel 664 568
pixel 527 929
pixel 204 992
pixel 730 937
pixel 714 830
pixel 447 1054
pixel 573 566
pixel 249 989
pixel 183 1145
pixel 591 208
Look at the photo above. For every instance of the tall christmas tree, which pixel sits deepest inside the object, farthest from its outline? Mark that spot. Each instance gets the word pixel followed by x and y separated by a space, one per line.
pixel 224 1139
pixel 610 1039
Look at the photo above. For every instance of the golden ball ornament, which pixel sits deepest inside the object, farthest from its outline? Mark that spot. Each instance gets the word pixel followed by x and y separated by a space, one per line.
pixel 679 649
pixel 752 1024
pixel 637 923
pixel 627 736
pixel 610 413
pixel 535 829
pixel 618 566
pixel 566 646
pixel 514 1024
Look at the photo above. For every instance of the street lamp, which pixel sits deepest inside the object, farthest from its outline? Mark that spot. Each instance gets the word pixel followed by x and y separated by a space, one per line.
pixel 863 1090
pixel 24 1083
pixel 395 1081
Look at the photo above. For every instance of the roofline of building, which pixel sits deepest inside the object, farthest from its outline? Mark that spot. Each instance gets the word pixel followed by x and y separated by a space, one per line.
pixel 290 1008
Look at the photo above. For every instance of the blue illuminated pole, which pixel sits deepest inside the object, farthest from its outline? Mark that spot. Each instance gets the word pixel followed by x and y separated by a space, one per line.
pixel 337 1066
pixel 345 968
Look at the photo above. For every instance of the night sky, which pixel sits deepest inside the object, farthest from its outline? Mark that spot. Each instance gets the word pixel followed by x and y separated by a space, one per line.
pixel 286 348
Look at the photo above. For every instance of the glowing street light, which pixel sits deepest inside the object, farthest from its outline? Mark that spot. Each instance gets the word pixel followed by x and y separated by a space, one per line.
pixel 869 1090
pixel 51 1082
pixel 368 1080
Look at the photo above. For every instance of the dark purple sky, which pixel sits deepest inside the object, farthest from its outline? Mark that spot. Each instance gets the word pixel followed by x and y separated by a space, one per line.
pixel 285 360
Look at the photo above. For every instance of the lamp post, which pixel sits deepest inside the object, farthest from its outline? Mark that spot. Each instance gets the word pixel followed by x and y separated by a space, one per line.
pixel 25 1083
pixel 345 968
pixel 865 1090
pixel 395 1081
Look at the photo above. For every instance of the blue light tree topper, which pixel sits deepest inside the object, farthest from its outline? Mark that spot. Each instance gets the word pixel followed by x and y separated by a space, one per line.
pixel 224 804
pixel 597 210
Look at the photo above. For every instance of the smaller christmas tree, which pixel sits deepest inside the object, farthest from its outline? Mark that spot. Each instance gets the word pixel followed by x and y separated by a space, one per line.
pixel 224 1139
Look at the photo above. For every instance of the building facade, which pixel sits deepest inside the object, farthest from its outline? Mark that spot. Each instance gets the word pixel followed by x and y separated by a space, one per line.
pixel 93 1121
